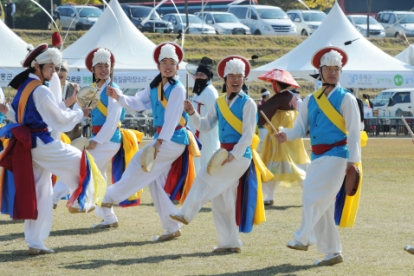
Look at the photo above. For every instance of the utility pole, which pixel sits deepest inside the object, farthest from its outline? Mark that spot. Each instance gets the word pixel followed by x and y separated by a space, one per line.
pixel 186 16
pixel 369 3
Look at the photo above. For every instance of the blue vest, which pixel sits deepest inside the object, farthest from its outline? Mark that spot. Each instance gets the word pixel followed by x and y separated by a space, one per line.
pixel 180 136
pixel 98 119
pixel 322 130
pixel 227 134
pixel 31 118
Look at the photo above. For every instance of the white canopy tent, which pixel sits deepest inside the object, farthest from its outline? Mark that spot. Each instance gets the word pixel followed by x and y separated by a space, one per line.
pixel 368 66
pixel 134 63
pixel 12 51
pixel 407 55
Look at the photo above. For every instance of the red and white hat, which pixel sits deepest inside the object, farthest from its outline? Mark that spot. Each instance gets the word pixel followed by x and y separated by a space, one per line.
pixel 99 55
pixel 168 50
pixel 233 65
pixel 279 75
pixel 42 54
pixel 329 56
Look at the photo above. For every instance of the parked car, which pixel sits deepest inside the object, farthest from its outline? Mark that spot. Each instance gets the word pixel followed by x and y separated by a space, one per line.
pixel 223 22
pixel 394 102
pixel 360 23
pixel 264 20
pixel 154 25
pixel 397 22
pixel 196 25
pixel 78 17
pixel 306 21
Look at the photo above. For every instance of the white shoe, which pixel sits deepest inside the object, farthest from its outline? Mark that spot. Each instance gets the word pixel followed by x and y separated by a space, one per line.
pixel 297 245
pixel 104 225
pixel 330 259
pixel 409 249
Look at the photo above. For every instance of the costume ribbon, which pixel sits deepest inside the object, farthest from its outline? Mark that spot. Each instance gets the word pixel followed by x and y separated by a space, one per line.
pixel 258 171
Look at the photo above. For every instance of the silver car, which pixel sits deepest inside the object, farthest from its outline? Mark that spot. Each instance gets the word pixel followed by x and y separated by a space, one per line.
pixel 224 22
pixel 195 26
pixel 397 22
pixel 78 17
pixel 360 23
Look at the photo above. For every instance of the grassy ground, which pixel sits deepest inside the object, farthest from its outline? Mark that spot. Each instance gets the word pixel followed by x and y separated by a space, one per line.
pixel 268 48
pixel 373 247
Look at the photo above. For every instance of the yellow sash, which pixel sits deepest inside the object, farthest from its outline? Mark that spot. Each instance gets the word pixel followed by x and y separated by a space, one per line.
pixel 334 116
pixel 261 170
pixel 27 91
pixel 164 103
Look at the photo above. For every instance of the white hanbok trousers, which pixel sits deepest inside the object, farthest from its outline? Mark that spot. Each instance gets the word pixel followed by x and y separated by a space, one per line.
pixel 262 135
pixel 324 177
pixel 57 158
pixel 221 190
pixel 135 179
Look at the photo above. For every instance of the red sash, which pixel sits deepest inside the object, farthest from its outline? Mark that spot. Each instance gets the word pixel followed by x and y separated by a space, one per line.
pixel 322 148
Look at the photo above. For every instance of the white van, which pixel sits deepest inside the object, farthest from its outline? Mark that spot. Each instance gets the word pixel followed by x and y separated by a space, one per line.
pixel 394 102
pixel 264 20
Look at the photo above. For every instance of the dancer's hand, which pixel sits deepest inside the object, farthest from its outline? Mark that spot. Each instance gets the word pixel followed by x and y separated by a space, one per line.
pixel 157 147
pixel 188 107
pixel 4 109
pixel 111 92
pixel 229 159
pixel 86 111
pixel 281 137
pixel 92 145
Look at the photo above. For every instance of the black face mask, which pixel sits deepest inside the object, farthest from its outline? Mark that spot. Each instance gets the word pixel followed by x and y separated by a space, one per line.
pixel 199 85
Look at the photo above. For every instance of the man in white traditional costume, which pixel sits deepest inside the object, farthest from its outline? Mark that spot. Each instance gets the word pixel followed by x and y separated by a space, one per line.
pixel 204 98
pixel 334 120
pixel 221 188
pixel 170 141
pixel 105 117
pixel 32 154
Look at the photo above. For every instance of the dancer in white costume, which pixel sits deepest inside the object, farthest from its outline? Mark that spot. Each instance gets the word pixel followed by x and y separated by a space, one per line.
pixel 204 98
pixel 106 139
pixel 48 155
pixel 170 141
pixel 221 188
pixel 333 151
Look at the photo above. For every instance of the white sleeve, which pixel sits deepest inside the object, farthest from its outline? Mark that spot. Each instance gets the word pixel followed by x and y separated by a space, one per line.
pixel 249 127
pixel 140 101
pixel 350 111
pixel 111 121
pixel 58 119
pixel 173 112
pixel 11 115
pixel 204 124
pixel 301 124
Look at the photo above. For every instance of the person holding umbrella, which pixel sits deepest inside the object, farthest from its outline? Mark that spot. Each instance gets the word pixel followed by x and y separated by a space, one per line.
pixel 287 161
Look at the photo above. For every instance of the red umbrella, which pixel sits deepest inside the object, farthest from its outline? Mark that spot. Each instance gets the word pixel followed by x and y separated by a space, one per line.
pixel 279 76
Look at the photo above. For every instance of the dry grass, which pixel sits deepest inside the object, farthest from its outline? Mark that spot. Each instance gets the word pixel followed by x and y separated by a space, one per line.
pixel 373 247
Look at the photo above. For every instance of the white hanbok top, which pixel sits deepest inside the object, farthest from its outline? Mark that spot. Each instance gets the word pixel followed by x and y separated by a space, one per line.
pixel 209 139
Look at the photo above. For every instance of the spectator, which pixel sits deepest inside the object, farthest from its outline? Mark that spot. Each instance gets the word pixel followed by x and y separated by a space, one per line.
pixel 10 11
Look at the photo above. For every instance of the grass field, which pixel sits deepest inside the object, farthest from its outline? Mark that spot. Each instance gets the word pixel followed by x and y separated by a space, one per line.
pixel 373 247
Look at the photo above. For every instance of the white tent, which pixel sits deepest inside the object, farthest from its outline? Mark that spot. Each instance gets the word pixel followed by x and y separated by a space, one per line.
pixel 368 66
pixel 407 55
pixel 12 51
pixel 134 64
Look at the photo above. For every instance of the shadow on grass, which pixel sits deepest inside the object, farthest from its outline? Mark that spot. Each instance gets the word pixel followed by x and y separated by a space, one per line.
pixel 271 270
pixel 282 208
pixel 93 264
pixel 65 232
pixel 4 222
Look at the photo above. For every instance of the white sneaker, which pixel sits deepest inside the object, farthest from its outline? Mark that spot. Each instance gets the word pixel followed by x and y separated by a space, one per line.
pixel 409 249
pixel 297 245
pixel 330 259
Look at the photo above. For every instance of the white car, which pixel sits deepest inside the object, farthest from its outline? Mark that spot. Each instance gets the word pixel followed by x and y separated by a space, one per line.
pixel 306 21
pixel 397 22
pixel 224 22
pixel 360 23
pixel 195 26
